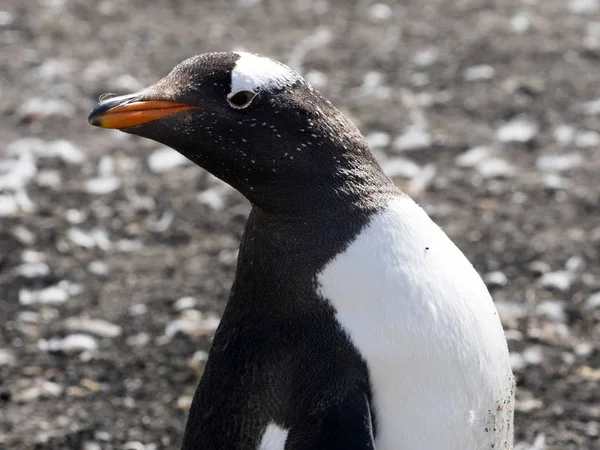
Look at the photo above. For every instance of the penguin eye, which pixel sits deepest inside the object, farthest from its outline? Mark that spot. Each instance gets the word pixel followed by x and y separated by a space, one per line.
pixel 241 99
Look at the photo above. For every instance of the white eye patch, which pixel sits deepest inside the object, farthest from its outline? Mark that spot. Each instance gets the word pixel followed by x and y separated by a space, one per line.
pixel 258 73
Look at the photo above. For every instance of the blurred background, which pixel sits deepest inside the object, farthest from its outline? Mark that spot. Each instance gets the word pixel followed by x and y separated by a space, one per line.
pixel 117 255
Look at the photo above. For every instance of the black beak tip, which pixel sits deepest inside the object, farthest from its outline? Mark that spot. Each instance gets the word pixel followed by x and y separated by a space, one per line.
pixel 108 102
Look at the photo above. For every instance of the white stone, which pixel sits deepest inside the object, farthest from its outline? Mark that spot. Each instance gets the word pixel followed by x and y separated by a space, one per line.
pixel 564 134
pixel 316 79
pixel 380 12
pixel 185 303
pixel 33 270
pixel 102 185
pixel 426 57
pixel 496 278
pixel 473 156
pixel 165 159
pixel 575 264
pixel 378 139
pixel 400 167
pixel 583 6
pixel 587 139
pixel 593 301
pixel 559 163
pixel 15 174
pixel 42 108
pixel 212 198
pixel 48 178
pixel 533 355
pixel 8 205
pixel 98 267
pixel 53 295
pixel 495 168
pixel 560 280
pixel 592 107
pixel 98 327
pixel 7 357
pixel 478 73
pixel 413 139
pixel 552 309
pixel 520 129
pixel 78 342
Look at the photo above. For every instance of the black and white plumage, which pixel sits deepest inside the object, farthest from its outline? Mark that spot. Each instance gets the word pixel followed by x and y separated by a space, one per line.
pixel 353 321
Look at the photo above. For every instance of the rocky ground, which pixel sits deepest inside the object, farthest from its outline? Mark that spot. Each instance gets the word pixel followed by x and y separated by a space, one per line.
pixel 116 254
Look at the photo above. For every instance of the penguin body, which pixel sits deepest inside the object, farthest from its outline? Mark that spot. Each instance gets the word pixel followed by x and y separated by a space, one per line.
pixel 353 321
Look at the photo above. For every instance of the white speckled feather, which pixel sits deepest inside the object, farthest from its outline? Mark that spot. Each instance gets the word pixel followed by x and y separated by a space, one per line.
pixel 257 73
pixel 423 320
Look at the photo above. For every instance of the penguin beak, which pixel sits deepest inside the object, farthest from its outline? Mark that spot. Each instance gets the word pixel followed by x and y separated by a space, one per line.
pixel 131 110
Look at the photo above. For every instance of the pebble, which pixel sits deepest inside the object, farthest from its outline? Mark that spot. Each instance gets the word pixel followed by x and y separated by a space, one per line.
pixel 102 185
pixel 400 167
pixel 77 343
pixel 212 198
pixel 15 174
pixel 413 139
pixel 520 129
pixel 583 6
pixel 380 12
pixel 48 178
pixel 473 156
pixel 560 280
pixel 184 403
pixel 53 295
pixel 521 22
pixel 40 389
pixel 593 301
pixel 587 139
pixel 510 313
pixel 33 270
pixel 564 134
pixel 495 168
pixel 533 355
pixel 478 73
pixel 422 180
pixel 138 340
pixel 165 159
pixel 134 445
pixel 426 57
pixel 316 79
pixel 495 279
pixel 559 163
pixel 378 139
pixel 192 322
pixel 528 405
pixel 552 309
pixel 555 182
pixel 124 83
pixel 39 108
pixel 592 107
pixel 575 264
pixel 8 206
pixel 98 327
pixel 98 268
pixel 6 18
pixel 7 357
pixel 185 303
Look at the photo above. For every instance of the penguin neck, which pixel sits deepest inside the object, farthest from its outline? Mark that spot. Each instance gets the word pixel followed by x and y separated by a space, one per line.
pixel 281 254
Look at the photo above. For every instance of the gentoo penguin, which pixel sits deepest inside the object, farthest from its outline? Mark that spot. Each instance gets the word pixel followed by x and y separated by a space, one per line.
pixel 353 322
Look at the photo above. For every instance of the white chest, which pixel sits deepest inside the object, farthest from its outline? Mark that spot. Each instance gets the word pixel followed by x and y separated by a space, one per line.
pixel 424 322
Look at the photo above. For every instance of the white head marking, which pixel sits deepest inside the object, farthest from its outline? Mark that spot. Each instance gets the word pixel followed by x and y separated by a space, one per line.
pixel 258 73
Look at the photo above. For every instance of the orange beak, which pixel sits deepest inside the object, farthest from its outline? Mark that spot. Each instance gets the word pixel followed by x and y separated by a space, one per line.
pixel 125 111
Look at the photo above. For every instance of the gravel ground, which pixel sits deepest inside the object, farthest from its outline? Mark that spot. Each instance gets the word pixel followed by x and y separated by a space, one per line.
pixel 116 255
